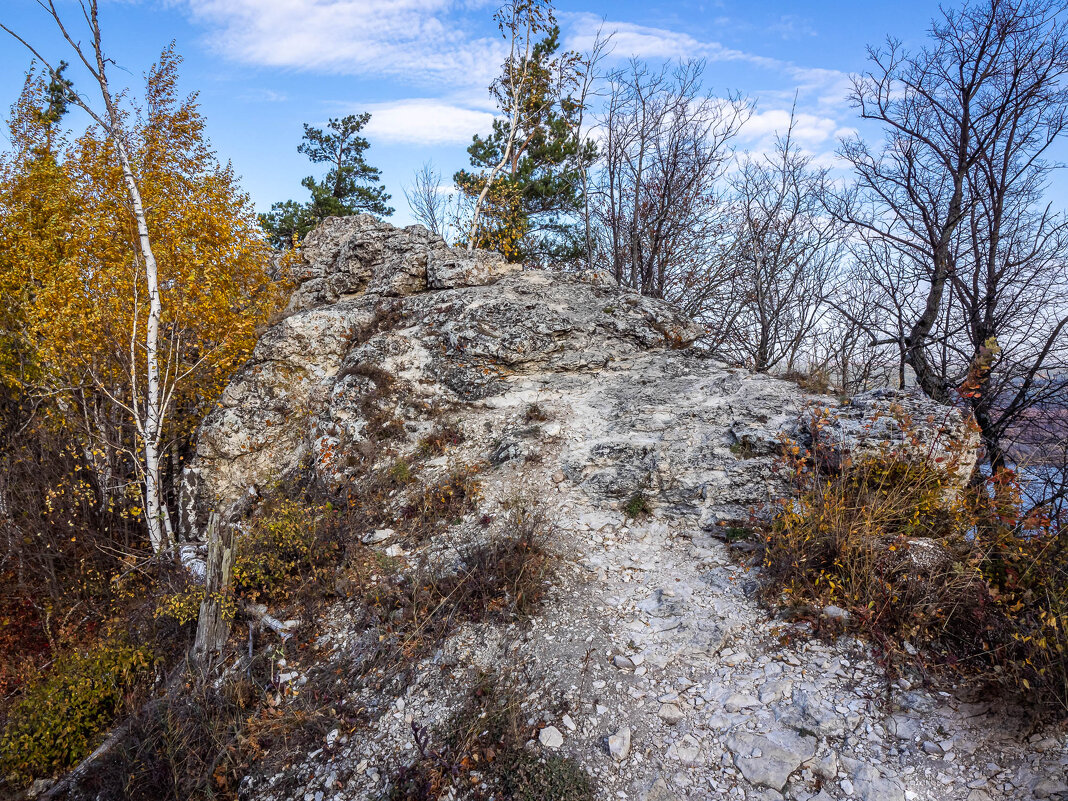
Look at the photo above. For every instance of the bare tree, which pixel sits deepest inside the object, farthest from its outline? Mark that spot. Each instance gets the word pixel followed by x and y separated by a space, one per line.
pixel 842 344
pixel 147 412
pixel 430 201
pixel 665 143
pixel 589 78
pixel 956 191
pixel 880 293
pixel 787 252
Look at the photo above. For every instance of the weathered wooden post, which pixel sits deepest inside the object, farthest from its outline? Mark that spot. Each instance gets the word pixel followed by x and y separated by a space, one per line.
pixel 213 624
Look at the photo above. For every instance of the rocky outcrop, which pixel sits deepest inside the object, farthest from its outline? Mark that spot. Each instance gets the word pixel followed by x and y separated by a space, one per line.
pixel 358 255
pixel 651 664
pixel 469 334
pixel 904 423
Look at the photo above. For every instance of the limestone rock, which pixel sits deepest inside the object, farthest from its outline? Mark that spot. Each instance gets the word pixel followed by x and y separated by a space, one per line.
pixel 870 421
pixel 871 784
pixel 448 328
pixel 456 268
pixel 767 760
pixel 551 737
pixel 590 395
pixel 619 744
pixel 1049 787
pixel 670 714
pixel 659 791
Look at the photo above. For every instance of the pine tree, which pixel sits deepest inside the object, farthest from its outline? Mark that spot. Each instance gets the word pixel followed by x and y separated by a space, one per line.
pixel 349 187
pixel 530 209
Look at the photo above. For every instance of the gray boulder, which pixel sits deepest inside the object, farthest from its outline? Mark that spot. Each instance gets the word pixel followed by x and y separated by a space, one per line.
pixel 767 760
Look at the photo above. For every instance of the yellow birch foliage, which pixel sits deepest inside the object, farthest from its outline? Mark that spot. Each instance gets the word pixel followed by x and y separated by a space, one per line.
pixel 36 210
pixel 83 303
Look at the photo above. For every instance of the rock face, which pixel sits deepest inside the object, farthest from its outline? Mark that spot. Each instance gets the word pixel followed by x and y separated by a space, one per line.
pixel 472 334
pixel 650 664
pixel 354 255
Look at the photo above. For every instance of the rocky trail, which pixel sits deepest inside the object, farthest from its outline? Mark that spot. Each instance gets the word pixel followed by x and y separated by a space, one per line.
pixel 659 671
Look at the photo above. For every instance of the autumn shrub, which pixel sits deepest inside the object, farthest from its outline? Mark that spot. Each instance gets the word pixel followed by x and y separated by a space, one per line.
pixel 536 413
pixel 815 380
pixel 917 556
pixel 60 715
pixel 877 540
pixel 183 606
pixel 440 438
pixel 59 550
pixel 1026 570
pixel 282 545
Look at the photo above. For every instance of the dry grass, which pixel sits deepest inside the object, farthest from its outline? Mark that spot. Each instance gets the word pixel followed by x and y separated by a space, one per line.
pixel 963 575
pixel 503 579
pixel 483 748
pixel 817 380
pixel 441 504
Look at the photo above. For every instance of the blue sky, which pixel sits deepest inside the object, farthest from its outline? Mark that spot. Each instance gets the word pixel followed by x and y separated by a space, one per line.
pixel 421 67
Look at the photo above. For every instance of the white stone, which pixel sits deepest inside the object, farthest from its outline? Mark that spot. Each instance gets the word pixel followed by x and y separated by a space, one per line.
pixel 619 744
pixel 551 737
pixel 670 714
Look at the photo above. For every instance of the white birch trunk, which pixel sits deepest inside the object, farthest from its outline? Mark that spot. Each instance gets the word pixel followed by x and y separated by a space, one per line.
pixel 152 422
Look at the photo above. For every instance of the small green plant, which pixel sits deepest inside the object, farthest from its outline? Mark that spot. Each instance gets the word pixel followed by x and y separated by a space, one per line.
pixel 742 450
pixel 62 712
pixel 637 506
pixel 400 472
pixel 737 534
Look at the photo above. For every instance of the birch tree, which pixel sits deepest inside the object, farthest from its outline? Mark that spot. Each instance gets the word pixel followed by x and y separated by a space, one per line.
pixel 154 365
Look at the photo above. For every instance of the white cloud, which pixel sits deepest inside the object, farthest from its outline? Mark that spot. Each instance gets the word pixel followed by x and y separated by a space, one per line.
pixel 423 41
pixel 642 41
pixel 792 26
pixel 809 129
pixel 828 86
pixel 263 96
pixel 450 45
pixel 425 122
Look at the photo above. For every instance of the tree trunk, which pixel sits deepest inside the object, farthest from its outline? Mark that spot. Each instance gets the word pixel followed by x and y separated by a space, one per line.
pixel 212 625
pixel 153 419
